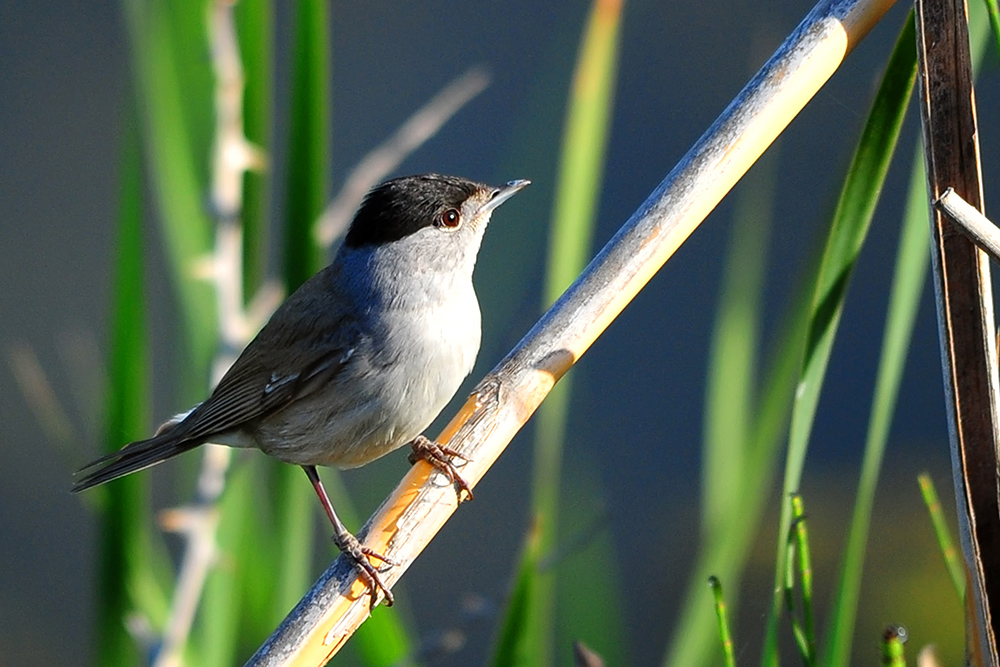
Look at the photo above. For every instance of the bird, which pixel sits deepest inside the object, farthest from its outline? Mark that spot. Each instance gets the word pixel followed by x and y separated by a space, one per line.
pixel 360 359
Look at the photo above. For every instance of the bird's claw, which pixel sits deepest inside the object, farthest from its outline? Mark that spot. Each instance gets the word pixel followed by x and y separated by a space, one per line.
pixel 352 548
pixel 438 455
pixel 377 556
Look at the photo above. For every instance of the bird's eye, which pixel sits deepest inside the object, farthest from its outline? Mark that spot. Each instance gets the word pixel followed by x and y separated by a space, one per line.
pixel 451 218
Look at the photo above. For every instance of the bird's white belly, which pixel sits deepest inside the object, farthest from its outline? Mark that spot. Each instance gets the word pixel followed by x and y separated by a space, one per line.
pixel 417 370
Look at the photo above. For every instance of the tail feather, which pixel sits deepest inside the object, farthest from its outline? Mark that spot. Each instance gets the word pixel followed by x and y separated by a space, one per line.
pixel 134 457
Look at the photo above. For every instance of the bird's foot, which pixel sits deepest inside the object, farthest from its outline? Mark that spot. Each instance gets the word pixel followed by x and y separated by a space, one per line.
pixel 353 549
pixel 437 455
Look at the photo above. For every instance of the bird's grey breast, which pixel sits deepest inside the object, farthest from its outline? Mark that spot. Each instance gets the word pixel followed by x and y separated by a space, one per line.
pixel 426 331
pixel 416 339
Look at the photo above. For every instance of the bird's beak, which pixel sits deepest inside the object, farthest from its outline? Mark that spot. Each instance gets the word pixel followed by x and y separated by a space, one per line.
pixel 502 194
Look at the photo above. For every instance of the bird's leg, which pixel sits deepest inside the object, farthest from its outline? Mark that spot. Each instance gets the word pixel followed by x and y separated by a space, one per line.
pixel 437 455
pixel 349 545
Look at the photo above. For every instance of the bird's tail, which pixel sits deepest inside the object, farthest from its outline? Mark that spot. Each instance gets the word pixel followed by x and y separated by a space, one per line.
pixel 135 456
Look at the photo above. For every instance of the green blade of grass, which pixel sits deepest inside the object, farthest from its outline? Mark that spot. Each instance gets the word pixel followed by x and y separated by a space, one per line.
pixel 952 560
pixel 294 514
pixel 185 30
pixel 512 645
pixel 255 27
pixel 994 18
pixel 798 545
pixel 732 372
pixel 308 180
pixel 581 163
pixel 739 453
pixel 128 581
pixel 307 189
pixel 589 553
pixel 893 651
pixel 579 182
pixel 908 282
pixel 722 615
pixel 257 552
pixel 174 91
pixel 693 639
pixel 848 231
pixel 173 160
pixel 386 640
pixel 216 636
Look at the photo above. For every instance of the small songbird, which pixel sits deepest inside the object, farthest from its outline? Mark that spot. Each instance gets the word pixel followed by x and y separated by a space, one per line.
pixel 361 358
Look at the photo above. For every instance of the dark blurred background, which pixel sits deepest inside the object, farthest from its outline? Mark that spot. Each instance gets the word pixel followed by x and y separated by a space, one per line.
pixel 638 393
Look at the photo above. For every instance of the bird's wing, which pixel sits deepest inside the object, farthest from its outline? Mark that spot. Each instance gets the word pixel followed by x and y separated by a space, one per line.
pixel 255 391
pixel 307 343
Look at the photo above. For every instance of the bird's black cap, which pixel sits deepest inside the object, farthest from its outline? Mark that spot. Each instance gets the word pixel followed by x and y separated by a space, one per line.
pixel 400 207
